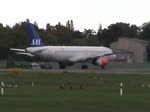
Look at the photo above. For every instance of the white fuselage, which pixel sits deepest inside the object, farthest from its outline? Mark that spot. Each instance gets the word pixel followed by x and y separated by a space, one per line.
pixel 68 53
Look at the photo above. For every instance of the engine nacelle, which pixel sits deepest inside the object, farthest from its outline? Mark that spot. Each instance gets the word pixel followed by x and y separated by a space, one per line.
pixel 100 61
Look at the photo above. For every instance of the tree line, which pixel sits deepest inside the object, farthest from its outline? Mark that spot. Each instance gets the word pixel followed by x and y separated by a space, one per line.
pixel 17 36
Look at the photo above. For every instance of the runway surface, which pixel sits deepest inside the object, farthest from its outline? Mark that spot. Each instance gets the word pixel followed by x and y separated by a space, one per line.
pixel 111 68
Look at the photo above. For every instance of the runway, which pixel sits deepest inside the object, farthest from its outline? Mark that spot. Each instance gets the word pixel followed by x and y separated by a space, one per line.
pixel 111 69
pixel 94 71
pixel 114 68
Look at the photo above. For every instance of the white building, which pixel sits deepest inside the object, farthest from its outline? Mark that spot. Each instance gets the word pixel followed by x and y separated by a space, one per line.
pixel 130 50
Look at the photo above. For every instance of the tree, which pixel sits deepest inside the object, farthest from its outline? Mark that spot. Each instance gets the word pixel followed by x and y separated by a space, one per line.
pixel 59 34
pixel 21 35
pixel 88 33
pixel 99 34
pixel 144 31
pixel 77 35
pixel 115 31
pixel 70 25
pixel 6 40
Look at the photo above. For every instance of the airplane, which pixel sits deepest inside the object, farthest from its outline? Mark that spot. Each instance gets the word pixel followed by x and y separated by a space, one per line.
pixel 65 55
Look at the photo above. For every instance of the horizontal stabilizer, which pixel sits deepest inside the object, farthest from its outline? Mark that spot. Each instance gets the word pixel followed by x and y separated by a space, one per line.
pixel 27 54
pixel 14 49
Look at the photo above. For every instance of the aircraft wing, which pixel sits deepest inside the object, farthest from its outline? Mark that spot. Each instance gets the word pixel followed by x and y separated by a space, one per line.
pixel 84 58
pixel 88 58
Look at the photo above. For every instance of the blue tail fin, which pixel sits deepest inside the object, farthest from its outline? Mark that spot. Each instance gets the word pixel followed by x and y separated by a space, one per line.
pixel 35 39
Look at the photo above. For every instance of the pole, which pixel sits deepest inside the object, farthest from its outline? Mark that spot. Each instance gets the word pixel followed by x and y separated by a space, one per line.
pixel 32 84
pixel 121 89
pixel 2 88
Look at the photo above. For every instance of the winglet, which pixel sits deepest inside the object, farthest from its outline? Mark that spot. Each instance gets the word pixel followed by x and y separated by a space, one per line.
pixel 35 39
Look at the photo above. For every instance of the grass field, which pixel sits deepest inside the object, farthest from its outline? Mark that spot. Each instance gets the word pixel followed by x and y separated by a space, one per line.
pixel 73 92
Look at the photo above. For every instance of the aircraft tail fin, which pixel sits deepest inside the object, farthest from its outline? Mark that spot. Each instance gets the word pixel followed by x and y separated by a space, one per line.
pixel 35 39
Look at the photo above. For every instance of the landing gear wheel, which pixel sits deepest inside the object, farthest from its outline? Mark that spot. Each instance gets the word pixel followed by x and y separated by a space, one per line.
pixel 84 67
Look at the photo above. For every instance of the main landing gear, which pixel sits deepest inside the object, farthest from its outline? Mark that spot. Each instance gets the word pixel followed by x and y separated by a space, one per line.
pixel 63 66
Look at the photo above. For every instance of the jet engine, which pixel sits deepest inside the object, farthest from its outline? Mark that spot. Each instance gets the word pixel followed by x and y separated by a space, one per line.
pixel 100 62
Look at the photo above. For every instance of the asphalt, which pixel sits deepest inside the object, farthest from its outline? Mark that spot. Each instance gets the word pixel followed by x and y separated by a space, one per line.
pixel 116 68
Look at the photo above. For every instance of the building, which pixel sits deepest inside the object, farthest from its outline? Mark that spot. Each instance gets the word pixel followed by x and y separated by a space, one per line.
pixel 131 50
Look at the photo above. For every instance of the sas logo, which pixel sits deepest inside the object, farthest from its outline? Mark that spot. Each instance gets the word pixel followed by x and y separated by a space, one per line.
pixel 36 42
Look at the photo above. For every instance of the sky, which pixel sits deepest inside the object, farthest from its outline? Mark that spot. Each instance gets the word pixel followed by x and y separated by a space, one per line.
pixel 87 14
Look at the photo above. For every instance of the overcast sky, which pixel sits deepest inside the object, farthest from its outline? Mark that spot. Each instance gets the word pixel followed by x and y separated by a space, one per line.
pixel 84 13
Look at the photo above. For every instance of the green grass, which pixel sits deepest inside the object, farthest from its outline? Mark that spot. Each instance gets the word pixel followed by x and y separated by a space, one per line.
pixel 99 92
